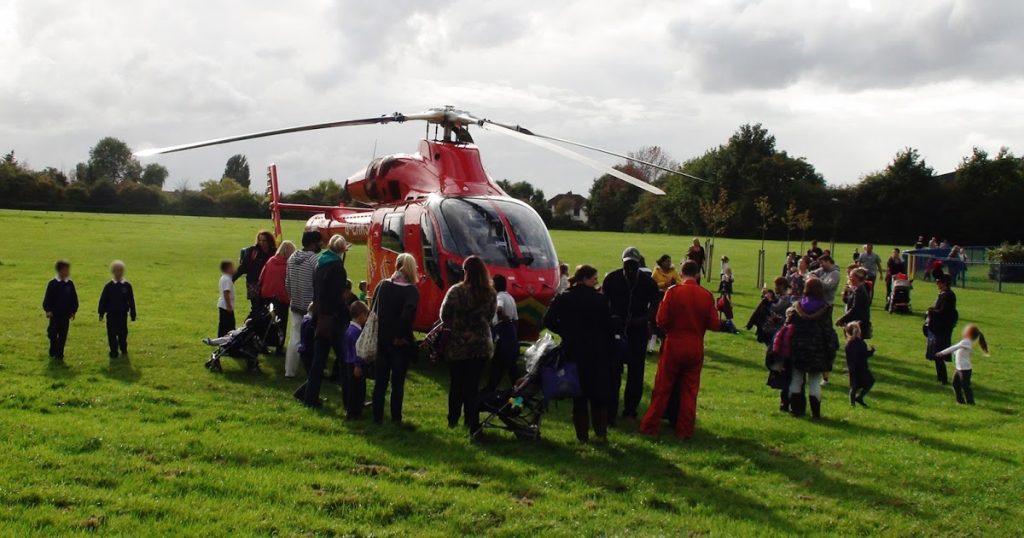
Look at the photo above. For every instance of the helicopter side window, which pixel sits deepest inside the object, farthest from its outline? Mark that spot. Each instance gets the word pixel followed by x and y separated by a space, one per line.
pixel 430 263
pixel 391 235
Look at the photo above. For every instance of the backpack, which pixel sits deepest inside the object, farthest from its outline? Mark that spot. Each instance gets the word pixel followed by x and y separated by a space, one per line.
pixel 782 345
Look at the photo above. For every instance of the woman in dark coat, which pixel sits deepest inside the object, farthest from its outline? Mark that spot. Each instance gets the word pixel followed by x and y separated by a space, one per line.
pixel 939 325
pixel 395 301
pixel 467 311
pixel 813 347
pixel 332 318
pixel 582 317
pixel 250 264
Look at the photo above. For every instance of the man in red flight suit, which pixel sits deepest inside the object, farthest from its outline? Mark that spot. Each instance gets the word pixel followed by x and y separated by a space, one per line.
pixel 685 314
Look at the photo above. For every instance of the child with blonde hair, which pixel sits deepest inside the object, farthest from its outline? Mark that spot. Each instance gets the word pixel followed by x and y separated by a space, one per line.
pixel 961 352
pixel 857 354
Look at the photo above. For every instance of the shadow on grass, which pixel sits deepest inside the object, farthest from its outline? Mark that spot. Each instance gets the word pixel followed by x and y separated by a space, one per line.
pixel 122 370
pixel 806 475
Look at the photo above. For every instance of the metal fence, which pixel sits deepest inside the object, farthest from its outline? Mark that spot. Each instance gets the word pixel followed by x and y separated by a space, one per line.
pixel 973 271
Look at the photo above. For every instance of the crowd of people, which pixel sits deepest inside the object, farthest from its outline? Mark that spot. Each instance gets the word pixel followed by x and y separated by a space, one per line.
pixel 607 328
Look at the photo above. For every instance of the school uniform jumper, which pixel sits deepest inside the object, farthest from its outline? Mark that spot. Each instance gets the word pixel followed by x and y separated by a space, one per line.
pixel 61 301
pixel 356 396
pixel 117 303
pixel 685 314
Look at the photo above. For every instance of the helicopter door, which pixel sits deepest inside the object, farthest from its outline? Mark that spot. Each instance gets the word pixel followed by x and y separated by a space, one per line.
pixel 430 262
pixel 392 236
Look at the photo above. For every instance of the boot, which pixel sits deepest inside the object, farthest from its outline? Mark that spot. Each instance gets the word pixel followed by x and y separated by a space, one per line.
pixel 784 401
pixel 815 407
pixel 601 425
pixel 853 397
pixel 581 422
pixel 797 404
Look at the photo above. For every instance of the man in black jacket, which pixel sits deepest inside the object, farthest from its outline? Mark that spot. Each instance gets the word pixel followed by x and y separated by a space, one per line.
pixel 941 321
pixel 633 296
pixel 117 302
pixel 60 304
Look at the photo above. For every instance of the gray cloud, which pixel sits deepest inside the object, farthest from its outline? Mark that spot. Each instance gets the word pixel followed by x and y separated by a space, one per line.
pixel 772 44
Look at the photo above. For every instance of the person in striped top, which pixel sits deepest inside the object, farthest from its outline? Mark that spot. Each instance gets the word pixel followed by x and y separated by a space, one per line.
pixel 298 282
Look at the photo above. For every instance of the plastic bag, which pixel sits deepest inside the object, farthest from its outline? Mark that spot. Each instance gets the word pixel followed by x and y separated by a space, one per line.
pixel 533 353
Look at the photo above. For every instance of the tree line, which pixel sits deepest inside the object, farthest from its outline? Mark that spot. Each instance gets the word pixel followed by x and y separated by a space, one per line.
pixel 113 180
pixel 752 188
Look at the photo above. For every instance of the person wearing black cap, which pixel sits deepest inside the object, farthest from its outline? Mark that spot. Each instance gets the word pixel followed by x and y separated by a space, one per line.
pixel 939 325
pixel 633 296
pixel 298 280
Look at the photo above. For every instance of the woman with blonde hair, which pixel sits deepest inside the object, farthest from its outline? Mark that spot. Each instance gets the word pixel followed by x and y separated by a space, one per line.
pixel 395 301
pixel 273 290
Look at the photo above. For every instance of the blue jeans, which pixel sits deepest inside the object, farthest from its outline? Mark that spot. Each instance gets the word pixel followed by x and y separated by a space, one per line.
pixel 391 366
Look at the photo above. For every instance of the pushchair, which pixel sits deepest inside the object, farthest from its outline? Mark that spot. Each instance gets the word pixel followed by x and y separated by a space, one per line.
pixel 899 300
pixel 519 409
pixel 246 342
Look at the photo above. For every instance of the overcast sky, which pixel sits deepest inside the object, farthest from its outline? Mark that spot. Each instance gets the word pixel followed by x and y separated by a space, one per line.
pixel 843 83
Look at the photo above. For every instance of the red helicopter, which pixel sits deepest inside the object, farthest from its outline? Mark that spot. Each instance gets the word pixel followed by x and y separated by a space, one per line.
pixel 440 205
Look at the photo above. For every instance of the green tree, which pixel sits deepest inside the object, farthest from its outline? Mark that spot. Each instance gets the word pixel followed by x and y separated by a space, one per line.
pixel 991 194
pixel 111 160
pixel 154 175
pixel 898 200
pixel 611 200
pixel 237 168
pixel 749 166
pixel 327 192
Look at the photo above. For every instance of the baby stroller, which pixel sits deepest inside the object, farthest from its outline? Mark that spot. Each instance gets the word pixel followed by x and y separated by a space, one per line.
pixel 899 300
pixel 519 410
pixel 245 342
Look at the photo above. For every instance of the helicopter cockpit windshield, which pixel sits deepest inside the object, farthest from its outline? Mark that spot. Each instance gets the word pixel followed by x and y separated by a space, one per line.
pixel 475 226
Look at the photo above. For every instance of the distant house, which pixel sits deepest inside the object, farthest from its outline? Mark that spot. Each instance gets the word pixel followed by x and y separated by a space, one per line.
pixel 569 205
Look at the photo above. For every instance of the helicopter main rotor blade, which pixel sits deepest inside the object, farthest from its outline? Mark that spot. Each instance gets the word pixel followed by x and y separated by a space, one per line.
pixel 565 152
pixel 393 118
pixel 528 132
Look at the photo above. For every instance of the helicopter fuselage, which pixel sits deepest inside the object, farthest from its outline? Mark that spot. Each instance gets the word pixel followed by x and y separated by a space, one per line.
pixel 441 206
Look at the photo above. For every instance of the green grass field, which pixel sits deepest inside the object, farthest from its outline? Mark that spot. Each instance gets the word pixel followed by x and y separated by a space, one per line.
pixel 159 446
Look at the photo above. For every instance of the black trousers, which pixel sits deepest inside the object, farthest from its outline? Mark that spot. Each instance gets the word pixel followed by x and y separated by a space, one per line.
pixel 391 368
pixel 309 392
pixel 226 323
pixel 57 332
pixel 117 332
pixel 861 383
pixel 464 391
pixel 962 387
pixel 506 354
pixel 632 357
pixel 940 371
pixel 281 309
pixel 356 396
pixel 587 412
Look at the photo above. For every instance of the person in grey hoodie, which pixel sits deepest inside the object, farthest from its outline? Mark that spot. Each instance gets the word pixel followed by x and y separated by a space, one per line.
pixel 830 277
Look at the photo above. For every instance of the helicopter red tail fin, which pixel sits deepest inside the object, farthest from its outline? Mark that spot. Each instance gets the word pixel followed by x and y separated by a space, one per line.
pixel 275 199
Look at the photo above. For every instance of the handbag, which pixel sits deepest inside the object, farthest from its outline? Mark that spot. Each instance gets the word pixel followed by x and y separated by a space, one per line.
pixel 437 340
pixel 366 345
pixel 560 381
